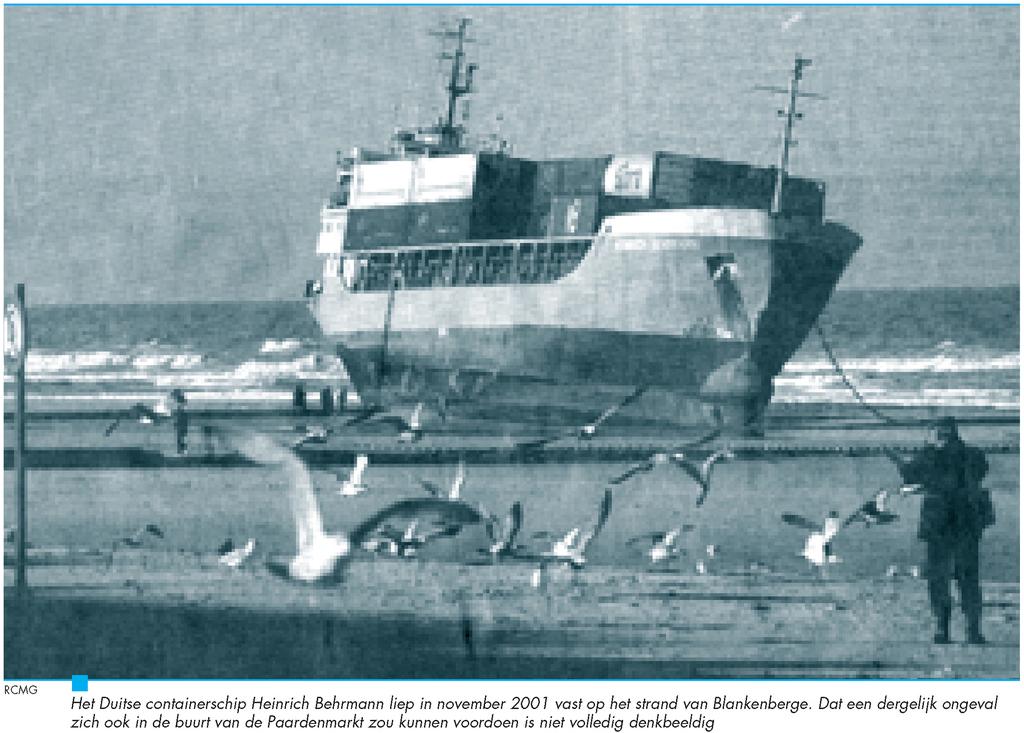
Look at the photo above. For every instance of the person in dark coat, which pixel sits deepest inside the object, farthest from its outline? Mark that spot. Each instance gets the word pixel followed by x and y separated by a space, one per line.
pixel 955 510
pixel 180 417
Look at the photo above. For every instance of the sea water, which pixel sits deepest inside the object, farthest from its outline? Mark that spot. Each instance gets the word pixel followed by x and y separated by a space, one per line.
pixel 955 347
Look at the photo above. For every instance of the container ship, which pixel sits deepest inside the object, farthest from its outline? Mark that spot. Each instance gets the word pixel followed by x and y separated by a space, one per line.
pixel 463 271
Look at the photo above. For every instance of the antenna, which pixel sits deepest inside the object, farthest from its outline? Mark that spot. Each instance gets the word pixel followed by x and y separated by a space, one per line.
pixel 790 115
pixel 460 80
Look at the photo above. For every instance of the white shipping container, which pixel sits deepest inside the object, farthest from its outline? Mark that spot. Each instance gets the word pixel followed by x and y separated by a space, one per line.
pixel 447 178
pixel 384 183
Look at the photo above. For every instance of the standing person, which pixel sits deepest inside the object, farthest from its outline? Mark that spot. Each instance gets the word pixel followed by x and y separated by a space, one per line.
pixel 955 510
pixel 180 417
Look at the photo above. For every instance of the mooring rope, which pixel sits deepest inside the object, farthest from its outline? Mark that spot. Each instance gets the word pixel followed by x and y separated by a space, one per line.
pixel 846 380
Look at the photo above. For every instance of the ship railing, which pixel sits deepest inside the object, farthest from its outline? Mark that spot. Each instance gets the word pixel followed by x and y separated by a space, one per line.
pixel 520 261
pixel 508 241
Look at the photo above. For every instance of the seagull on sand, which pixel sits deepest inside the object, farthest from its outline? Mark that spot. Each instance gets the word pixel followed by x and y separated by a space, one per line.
pixel 700 473
pixel 409 430
pixel 818 546
pixel 709 552
pixel 353 485
pixel 588 431
pixel 454 492
pixel 422 520
pixel 572 548
pixel 663 545
pixel 312 434
pixel 233 557
pixel 395 542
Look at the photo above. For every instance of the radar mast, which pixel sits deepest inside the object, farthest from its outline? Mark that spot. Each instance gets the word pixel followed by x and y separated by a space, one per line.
pixel 460 81
pixel 789 115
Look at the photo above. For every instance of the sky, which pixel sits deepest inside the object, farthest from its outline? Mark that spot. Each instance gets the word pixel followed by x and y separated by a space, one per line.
pixel 156 154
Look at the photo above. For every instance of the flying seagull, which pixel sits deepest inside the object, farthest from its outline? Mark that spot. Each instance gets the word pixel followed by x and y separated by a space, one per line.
pixel 818 545
pixel 142 414
pixel 662 545
pixel 873 511
pixel 138 538
pixel 319 556
pixel 700 473
pixel 454 492
pixel 588 431
pixel 502 533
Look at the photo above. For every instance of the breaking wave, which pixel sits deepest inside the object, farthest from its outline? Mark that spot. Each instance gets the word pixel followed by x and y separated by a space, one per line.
pixel 280 346
pixel 117 371
pixel 943 363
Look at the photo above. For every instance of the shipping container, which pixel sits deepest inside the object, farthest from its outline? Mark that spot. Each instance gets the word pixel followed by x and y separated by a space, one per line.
pixel 447 221
pixel 499 207
pixel 386 226
pixel 556 184
pixel 384 183
pixel 491 196
pixel 682 181
pixel 444 178
pixel 583 175
pixel 570 176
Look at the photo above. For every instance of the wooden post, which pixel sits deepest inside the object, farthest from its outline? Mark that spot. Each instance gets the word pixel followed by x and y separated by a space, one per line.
pixel 21 579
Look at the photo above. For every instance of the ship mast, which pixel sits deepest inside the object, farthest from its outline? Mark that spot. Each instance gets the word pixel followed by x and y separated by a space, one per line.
pixel 790 115
pixel 460 81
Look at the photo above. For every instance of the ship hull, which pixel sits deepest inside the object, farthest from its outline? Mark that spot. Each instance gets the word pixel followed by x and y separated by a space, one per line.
pixel 650 304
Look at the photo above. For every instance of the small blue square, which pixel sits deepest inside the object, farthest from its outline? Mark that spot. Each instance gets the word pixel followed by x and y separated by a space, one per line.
pixel 79 683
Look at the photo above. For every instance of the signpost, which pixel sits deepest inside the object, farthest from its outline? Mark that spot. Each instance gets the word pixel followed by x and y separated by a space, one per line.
pixel 15 347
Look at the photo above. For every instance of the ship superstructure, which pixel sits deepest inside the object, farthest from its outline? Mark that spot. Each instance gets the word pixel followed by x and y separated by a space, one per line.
pixel 694 277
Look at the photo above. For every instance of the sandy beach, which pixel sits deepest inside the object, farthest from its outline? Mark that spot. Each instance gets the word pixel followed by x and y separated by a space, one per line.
pixel 170 616
pixel 758 610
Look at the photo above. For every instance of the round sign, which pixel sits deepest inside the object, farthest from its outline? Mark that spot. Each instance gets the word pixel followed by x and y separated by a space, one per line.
pixel 14 334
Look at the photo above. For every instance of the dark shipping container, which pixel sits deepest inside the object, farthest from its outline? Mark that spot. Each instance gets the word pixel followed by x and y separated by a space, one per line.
pixel 387 226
